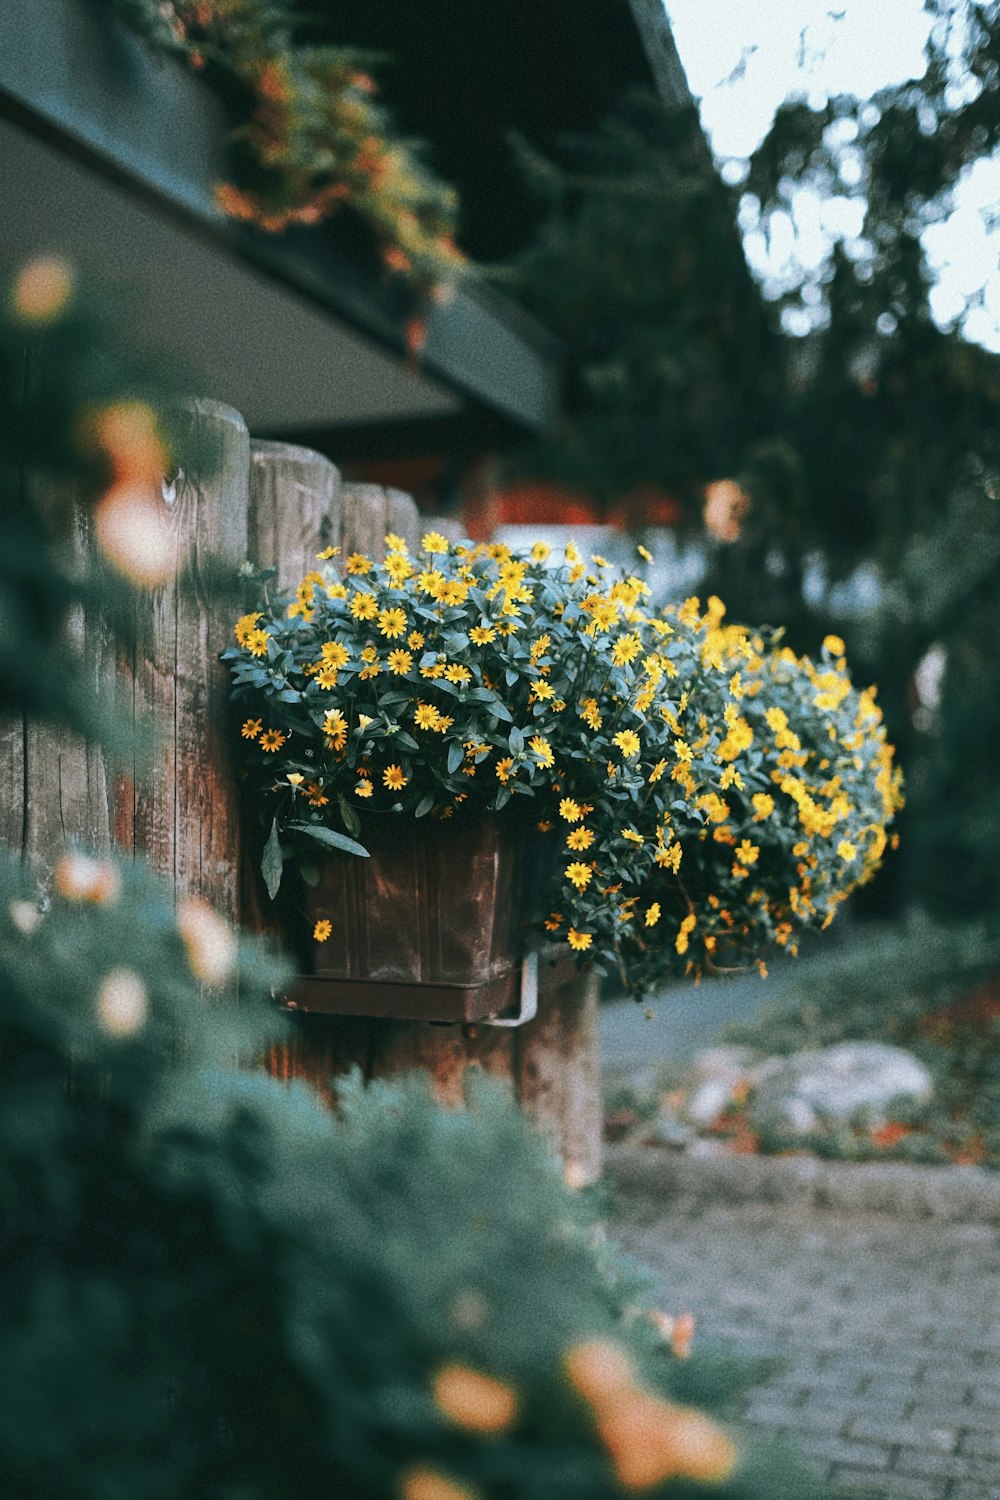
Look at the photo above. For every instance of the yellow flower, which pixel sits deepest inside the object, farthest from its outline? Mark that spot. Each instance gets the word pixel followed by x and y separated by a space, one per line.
pixel 272 739
pixel 846 850
pixel 395 543
pixel 433 541
pixel 327 553
pixel 295 778
pixel 363 789
pixel 540 691
pixel 363 606
pixel 244 625
pixel 570 810
pixel 540 552
pixel 334 654
pixel 590 713
pixel 632 836
pixel 393 778
pixel 456 673
pixel 653 914
pixel 399 662
pixel 626 649
pixel 504 768
pixel 627 742
pixel 322 930
pixel 579 838
pixel 748 853
pixel 251 729
pixel 426 716
pixel 391 623
pixel 833 644
pixel 315 794
pixel 579 941
pixel 644 553
pixel 540 746
pixel 683 936
pixel 358 563
pixel 553 921
pixel 431 582
pixel 763 806
pixel 482 635
pixel 364 720
pixel 256 642
pixel 579 875
pixel 415 640
pixel 444 723
pixel 334 722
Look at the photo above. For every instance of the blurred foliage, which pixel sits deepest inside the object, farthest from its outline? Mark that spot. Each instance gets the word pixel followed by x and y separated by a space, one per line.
pixel 864 435
pixel 213 1288
pixel 309 135
pixel 638 266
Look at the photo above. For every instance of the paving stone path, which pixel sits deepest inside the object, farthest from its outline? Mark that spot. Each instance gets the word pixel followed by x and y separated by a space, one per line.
pixel 888 1329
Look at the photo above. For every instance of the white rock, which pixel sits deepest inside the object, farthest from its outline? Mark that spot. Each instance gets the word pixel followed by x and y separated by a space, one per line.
pixel 709 1099
pixel 835 1083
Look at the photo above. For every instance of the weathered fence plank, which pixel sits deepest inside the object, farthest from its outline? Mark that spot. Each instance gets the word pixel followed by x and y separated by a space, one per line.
pixel 558 1075
pixel 184 819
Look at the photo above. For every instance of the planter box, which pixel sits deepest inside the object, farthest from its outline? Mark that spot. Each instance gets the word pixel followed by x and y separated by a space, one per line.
pixel 430 927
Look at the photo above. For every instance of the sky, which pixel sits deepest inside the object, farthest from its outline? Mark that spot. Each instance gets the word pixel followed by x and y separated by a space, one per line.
pixel 744 57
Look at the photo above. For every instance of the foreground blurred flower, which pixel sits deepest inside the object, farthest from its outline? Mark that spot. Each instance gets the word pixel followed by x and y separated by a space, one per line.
pixel 726 508
pixel 428 1484
pixel 122 1003
pixel 210 942
pixel 42 289
pixel 79 877
pixel 127 433
pixel 648 1439
pixel 473 1400
pixel 135 534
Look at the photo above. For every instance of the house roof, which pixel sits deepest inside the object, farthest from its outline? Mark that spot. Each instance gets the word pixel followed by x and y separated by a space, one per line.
pixel 109 154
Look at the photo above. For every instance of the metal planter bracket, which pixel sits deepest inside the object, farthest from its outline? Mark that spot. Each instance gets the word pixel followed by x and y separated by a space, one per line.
pixel 528 1006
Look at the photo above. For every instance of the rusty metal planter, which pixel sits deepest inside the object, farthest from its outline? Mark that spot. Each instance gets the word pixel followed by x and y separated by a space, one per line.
pixel 430 927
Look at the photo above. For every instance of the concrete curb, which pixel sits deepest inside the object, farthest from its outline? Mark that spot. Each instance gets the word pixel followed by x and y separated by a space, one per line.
pixel 967 1195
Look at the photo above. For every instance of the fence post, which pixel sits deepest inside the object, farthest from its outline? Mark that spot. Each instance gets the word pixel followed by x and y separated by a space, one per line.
pixel 179 809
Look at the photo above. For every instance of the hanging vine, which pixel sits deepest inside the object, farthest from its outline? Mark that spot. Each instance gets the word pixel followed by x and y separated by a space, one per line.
pixel 311 135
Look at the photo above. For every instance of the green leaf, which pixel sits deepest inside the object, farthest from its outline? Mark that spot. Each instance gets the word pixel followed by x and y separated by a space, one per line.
pixel 424 806
pixel 456 753
pixel 272 863
pixel 331 839
pixel 351 820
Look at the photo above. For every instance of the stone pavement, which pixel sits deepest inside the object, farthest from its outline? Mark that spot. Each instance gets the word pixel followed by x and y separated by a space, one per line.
pixel 887 1327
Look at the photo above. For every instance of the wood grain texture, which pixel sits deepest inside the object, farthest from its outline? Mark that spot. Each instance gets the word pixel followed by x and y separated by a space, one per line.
pixel 365 520
pixel 184 814
pixel 294 512
pixel 403 518
pixel 58 785
pixel 295 508
pixel 557 1067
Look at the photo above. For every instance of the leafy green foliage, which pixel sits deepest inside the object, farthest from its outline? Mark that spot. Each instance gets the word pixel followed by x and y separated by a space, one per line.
pixel 310 137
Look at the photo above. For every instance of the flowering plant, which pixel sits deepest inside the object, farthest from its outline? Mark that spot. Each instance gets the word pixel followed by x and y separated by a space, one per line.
pixel 673 761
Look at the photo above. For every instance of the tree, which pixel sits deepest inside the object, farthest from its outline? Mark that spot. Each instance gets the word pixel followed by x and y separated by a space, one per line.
pixel 863 433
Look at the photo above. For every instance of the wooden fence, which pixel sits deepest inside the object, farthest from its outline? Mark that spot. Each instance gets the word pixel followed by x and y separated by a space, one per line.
pixel 179 809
